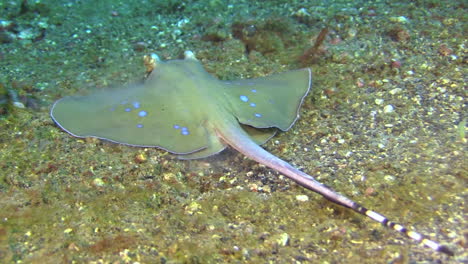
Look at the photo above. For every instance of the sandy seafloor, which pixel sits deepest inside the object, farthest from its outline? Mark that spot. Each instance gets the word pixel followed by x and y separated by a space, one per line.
pixel 385 125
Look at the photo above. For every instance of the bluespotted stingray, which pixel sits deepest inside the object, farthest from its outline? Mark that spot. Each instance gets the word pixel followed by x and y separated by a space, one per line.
pixel 183 109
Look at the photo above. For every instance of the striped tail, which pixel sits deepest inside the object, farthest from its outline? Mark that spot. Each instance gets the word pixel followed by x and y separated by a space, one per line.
pixel 411 234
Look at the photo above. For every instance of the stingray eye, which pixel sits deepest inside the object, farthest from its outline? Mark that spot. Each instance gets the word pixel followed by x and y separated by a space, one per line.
pixel 150 62
pixel 189 55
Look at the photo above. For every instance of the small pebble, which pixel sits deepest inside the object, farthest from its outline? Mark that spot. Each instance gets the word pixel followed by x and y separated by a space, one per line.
pixel 18 105
pixel 302 198
pixel 399 19
pixel 378 101
pixel 389 178
pixel 140 46
pixel 395 91
pixel 388 109
pixel 140 158
pixel 283 240
pixel 369 191
pixel 6 24
pixel 395 64
pixel 98 182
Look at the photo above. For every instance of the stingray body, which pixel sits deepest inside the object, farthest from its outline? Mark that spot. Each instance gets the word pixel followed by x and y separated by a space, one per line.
pixel 183 109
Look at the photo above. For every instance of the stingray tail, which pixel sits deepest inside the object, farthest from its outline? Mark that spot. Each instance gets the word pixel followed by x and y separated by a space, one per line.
pixel 239 140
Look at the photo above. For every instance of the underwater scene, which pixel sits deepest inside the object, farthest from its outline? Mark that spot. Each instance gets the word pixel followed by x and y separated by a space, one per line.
pixel 130 131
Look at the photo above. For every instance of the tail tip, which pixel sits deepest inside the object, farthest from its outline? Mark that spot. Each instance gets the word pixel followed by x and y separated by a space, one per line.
pixel 446 250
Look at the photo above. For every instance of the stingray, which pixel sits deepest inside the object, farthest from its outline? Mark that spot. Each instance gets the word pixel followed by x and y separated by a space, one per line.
pixel 184 110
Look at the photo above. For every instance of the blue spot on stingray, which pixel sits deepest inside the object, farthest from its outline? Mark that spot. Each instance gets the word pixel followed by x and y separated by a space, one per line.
pixel 139 125
pixel 136 105
pixel 184 131
pixel 112 109
pixel 258 115
pixel 244 98
pixel 253 90
pixel 253 104
pixel 142 113
pixel 128 109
